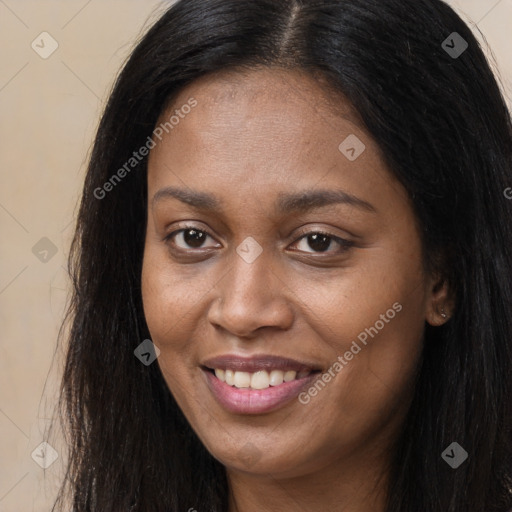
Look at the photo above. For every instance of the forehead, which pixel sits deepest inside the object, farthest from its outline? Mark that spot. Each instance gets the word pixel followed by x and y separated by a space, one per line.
pixel 282 113
pixel 261 132
pixel 262 85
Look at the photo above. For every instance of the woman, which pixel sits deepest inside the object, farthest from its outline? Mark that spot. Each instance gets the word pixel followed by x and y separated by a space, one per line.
pixel 293 267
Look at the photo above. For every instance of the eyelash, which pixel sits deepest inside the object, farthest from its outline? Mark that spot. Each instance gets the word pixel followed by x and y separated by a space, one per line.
pixel 344 244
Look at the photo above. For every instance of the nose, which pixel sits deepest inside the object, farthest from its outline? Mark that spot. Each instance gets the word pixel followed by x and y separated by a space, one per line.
pixel 250 297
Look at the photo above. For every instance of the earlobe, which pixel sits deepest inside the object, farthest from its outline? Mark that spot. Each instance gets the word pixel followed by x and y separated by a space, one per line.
pixel 437 317
pixel 440 304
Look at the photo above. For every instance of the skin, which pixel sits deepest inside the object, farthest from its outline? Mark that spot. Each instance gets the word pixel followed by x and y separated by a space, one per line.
pixel 252 138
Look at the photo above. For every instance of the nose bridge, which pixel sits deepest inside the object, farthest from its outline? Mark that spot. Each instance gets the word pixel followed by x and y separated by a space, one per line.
pixel 250 280
pixel 250 292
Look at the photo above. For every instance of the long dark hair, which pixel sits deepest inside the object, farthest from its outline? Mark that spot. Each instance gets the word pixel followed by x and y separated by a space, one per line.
pixel 444 130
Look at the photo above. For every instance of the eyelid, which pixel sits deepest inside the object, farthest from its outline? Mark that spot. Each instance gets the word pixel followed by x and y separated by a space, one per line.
pixel 185 227
pixel 343 243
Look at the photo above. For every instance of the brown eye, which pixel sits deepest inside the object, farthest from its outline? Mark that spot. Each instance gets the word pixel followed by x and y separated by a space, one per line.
pixel 188 238
pixel 321 242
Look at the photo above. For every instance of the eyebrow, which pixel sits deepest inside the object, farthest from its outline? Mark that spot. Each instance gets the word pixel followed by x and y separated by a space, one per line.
pixel 296 202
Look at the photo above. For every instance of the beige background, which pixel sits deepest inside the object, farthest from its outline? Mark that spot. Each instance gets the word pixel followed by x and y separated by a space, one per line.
pixel 49 109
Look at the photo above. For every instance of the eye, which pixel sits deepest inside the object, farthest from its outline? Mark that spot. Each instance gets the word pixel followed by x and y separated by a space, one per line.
pixel 321 242
pixel 188 237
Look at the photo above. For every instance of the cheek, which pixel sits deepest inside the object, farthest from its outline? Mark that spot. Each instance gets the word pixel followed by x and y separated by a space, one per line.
pixel 168 301
pixel 176 307
pixel 369 385
pixel 373 317
pixel 168 297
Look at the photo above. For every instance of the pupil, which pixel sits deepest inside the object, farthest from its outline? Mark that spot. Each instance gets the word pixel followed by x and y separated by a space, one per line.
pixel 193 237
pixel 319 242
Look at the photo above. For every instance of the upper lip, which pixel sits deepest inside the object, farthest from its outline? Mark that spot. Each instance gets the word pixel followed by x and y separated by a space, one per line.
pixel 256 363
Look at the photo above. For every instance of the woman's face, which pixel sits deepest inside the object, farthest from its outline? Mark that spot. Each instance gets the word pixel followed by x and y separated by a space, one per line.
pixel 288 262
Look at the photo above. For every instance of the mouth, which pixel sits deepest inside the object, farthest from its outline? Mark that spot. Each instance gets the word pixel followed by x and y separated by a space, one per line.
pixel 261 379
pixel 258 384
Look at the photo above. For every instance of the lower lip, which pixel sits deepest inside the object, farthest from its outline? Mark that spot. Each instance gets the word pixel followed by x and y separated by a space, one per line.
pixel 255 401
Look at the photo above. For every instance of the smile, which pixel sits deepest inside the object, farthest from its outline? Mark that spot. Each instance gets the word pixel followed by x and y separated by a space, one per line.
pixel 256 385
pixel 258 380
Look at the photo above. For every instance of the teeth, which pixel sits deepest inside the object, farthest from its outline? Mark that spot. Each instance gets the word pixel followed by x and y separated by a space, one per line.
pixel 276 377
pixel 230 377
pixel 290 375
pixel 242 380
pixel 258 380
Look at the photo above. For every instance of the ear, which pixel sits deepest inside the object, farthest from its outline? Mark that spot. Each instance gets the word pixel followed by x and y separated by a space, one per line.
pixel 440 301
